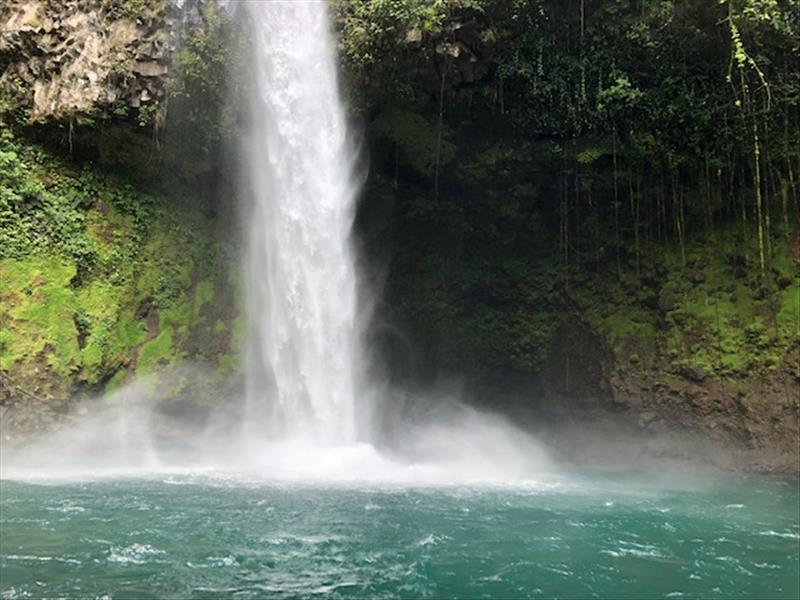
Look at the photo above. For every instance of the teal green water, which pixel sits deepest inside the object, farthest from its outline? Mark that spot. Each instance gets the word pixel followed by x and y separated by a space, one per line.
pixel 205 537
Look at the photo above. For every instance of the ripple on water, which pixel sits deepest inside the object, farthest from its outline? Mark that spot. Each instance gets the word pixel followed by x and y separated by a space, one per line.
pixel 66 507
pixel 736 564
pixel 628 548
pixel 432 540
pixel 32 558
pixel 559 569
pixel 789 535
pixel 305 540
pixel 136 554
pixel 223 561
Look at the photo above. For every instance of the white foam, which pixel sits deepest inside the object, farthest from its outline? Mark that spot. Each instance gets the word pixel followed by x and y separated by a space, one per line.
pixel 137 554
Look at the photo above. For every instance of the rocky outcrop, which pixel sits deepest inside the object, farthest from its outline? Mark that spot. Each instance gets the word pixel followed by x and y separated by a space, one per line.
pixel 758 419
pixel 464 50
pixel 686 412
pixel 441 48
pixel 68 58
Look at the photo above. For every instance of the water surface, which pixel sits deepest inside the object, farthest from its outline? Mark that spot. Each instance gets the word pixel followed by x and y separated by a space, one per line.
pixel 204 536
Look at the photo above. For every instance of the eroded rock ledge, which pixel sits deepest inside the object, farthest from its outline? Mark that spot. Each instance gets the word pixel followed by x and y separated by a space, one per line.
pixel 65 59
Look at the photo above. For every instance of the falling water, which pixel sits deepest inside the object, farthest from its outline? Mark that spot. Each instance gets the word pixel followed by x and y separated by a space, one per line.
pixel 303 346
pixel 310 414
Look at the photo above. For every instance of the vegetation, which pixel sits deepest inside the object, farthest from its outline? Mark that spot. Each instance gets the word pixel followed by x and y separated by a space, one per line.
pixel 99 279
pixel 204 93
pixel 627 167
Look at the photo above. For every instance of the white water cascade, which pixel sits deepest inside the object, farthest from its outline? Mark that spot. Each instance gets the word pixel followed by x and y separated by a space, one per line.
pixel 310 414
pixel 303 344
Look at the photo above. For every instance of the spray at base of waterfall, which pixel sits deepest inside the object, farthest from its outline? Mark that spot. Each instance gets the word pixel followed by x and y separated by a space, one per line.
pixel 140 431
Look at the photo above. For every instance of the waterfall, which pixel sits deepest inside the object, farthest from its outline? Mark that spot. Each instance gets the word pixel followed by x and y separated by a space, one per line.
pixel 309 413
pixel 303 347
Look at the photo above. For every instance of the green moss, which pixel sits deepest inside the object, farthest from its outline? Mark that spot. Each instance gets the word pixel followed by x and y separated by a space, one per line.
pixel 99 308
pixel 111 232
pixel 228 363
pixel 38 312
pixel 116 381
pixel 178 316
pixel 90 267
pixel 619 327
pixel 789 313
pixel 127 334
pixel 726 325
pixel 157 352
pixel 239 326
pixel 203 294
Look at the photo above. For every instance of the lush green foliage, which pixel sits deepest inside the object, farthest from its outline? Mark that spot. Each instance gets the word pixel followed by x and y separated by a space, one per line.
pixel 113 269
pixel 372 31
pixel 208 72
pixel 631 166
pixel 98 279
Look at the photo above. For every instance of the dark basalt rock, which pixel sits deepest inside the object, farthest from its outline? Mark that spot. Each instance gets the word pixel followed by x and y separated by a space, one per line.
pixel 695 374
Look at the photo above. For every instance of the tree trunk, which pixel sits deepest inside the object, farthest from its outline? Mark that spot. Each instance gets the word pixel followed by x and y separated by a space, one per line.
pixel 759 201
pixel 616 202
pixel 439 135
pixel 635 219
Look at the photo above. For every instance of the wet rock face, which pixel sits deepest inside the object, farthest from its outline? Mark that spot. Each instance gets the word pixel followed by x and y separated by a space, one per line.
pixel 64 59
pixel 576 375
pixel 470 47
pixel 460 54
